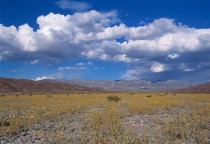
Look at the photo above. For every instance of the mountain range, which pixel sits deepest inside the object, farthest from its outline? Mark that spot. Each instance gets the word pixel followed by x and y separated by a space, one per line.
pixel 11 85
pixel 129 85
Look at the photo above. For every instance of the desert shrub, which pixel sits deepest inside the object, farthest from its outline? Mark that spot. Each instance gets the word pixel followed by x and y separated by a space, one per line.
pixel 2 95
pixel 149 96
pixel 113 98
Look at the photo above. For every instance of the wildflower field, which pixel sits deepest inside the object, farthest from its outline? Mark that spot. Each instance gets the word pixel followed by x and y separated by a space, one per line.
pixel 105 118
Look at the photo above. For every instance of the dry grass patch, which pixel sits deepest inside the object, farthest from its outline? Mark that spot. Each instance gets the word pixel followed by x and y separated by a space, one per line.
pixel 193 126
pixel 102 121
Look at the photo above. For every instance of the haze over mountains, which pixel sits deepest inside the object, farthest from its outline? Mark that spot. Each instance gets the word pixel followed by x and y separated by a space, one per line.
pixel 12 85
pixel 128 85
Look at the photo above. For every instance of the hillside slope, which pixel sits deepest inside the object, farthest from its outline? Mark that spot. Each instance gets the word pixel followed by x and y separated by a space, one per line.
pixel 198 89
pixel 10 85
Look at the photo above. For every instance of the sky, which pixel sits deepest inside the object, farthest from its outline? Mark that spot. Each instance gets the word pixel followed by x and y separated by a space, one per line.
pixel 105 39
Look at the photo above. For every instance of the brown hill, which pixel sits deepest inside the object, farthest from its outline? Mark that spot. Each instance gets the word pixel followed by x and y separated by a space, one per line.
pixel 198 89
pixel 11 85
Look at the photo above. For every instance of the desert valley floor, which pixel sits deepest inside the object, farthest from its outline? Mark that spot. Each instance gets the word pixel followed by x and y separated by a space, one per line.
pixel 105 118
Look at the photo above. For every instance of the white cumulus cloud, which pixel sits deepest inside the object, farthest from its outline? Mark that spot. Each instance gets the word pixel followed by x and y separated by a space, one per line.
pixel 95 35
pixel 156 68
pixel 43 78
pixel 173 56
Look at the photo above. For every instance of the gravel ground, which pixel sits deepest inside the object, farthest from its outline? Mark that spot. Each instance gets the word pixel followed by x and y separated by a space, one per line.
pixel 65 128
pixel 74 128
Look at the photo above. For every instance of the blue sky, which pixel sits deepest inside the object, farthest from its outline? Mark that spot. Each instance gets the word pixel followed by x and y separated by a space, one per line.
pixel 135 39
